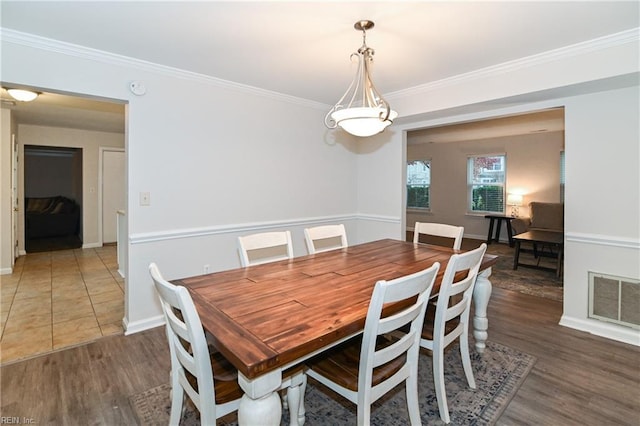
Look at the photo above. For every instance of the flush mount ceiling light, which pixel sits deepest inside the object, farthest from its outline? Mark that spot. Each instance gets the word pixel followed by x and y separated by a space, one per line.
pixel 22 95
pixel 362 111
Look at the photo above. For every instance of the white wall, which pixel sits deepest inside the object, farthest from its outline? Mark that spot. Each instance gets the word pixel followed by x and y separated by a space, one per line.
pixel 219 161
pixel 6 206
pixel 533 166
pixel 602 215
pixel 90 142
pixel 601 130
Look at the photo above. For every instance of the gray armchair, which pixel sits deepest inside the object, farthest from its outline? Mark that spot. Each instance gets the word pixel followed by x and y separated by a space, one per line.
pixel 544 216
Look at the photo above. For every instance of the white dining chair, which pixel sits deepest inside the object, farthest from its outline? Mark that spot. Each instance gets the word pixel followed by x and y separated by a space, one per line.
pixel 324 238
pixel 364 369
pixel 439 230
pixel 265 247
pixel 449 321
pixel 204 376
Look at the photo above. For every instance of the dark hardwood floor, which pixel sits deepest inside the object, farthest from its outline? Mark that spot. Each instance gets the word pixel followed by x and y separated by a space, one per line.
pixel 578 379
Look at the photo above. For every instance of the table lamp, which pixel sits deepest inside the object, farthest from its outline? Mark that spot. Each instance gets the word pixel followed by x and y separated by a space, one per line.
pixel 515 201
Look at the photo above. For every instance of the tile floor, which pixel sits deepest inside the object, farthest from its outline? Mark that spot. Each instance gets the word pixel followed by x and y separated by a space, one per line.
pixel 59 299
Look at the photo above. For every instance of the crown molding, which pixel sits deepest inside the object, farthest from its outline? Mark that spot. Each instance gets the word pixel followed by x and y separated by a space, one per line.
pixel 594 45
pixel 82 52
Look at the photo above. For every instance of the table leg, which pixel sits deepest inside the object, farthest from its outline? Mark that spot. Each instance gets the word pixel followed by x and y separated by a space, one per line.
pixel 481 295
pixel 516 256
pixel 510 232
pixel 490 234
pixel 260 404
pixel 560 260
pixel 499 224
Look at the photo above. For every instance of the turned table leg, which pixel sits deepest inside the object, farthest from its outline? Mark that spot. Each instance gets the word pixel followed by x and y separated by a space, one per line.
pixel 260 404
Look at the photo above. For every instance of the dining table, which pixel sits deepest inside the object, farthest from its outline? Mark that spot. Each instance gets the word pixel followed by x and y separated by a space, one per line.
pixel 267 318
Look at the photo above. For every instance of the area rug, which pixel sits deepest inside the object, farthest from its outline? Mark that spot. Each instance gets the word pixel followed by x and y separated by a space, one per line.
pixel 535 282
pixel 499 372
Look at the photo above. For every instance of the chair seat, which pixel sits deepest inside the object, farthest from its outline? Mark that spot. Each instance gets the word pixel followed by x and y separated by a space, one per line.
pixel 225 378
pixel 341 364
pixel 429 324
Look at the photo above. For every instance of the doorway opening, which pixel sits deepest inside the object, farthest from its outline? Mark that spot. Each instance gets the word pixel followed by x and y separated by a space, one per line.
pixel 52 198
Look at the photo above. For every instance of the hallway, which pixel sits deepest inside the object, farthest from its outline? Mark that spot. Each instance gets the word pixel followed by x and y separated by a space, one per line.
pixel 58 299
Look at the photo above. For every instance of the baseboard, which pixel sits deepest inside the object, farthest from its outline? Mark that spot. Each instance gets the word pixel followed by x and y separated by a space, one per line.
pixel 610 331
pixel 138 326
pixel 91 245
pixel 6 271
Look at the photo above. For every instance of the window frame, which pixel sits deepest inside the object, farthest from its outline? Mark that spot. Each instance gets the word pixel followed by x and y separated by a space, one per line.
pixel 471 184
pixel 429 166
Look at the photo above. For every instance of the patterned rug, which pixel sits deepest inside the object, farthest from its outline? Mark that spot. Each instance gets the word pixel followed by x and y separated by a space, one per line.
pixel 535 282
pixel 499 372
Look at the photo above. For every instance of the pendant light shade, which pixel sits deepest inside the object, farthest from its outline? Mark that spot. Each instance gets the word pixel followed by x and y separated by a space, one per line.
pixel 22 95
pixel 362 111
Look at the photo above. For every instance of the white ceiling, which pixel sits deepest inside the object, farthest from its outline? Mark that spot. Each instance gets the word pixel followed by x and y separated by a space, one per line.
pixel 302 48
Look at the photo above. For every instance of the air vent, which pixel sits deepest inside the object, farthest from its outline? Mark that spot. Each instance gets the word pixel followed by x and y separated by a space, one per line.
pixel 614 299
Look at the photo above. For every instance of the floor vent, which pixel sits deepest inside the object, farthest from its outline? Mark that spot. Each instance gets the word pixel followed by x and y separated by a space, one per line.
pixel 614 299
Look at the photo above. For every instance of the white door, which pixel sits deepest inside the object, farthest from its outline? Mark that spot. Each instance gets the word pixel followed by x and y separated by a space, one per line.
pixel 113 192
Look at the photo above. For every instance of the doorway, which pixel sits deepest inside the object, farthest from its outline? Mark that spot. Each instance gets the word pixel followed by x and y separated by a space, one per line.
pixel 52 198
pixel 62 298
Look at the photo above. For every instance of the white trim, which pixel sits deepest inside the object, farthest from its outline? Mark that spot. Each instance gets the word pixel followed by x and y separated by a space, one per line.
pixel 91 245
pixel 604 240
pixel 378 218
pixel 150 237
pixel 601 43
pixel 603 329
pixel 6 271
pixel 142 325
pixel 47 44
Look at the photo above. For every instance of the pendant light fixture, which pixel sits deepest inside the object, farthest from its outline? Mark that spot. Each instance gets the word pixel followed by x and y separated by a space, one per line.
pixel 362 111
pixel 22 95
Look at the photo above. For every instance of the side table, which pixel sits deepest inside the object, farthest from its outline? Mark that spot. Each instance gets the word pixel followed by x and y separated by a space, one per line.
pixel 499 218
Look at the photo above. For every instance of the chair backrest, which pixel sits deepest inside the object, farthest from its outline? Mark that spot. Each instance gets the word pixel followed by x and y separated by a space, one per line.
pixel 449 307
pixel 439 230
pixel 187 344
pixel 324 238
pixel 385 292
pixel 265 247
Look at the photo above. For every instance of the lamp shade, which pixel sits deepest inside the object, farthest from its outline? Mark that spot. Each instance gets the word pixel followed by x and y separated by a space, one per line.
pixel 514 199
pixel 22 95
pixel 363 121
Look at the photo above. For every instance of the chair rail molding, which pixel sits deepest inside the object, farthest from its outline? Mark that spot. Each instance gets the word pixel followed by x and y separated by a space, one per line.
pixel 603 240
pixel 151 237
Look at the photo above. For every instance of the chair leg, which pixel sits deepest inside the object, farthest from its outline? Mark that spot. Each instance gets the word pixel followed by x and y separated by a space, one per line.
pixel 177 404
pixel 438 378
pixel 364 414
pixel 466 360
pixel 413 405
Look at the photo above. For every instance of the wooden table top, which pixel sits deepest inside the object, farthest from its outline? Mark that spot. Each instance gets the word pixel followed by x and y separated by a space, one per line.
pixel 267 316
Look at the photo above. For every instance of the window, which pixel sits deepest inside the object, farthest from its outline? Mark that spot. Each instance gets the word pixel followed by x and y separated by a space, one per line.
pixel 418 182
pixel 562 176
pixel 486 177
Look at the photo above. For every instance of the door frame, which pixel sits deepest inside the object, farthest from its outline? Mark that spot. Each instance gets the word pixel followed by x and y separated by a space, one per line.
pixel 14 199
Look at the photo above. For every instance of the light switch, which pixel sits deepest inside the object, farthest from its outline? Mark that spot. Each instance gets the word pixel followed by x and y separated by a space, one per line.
pixel 145 199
